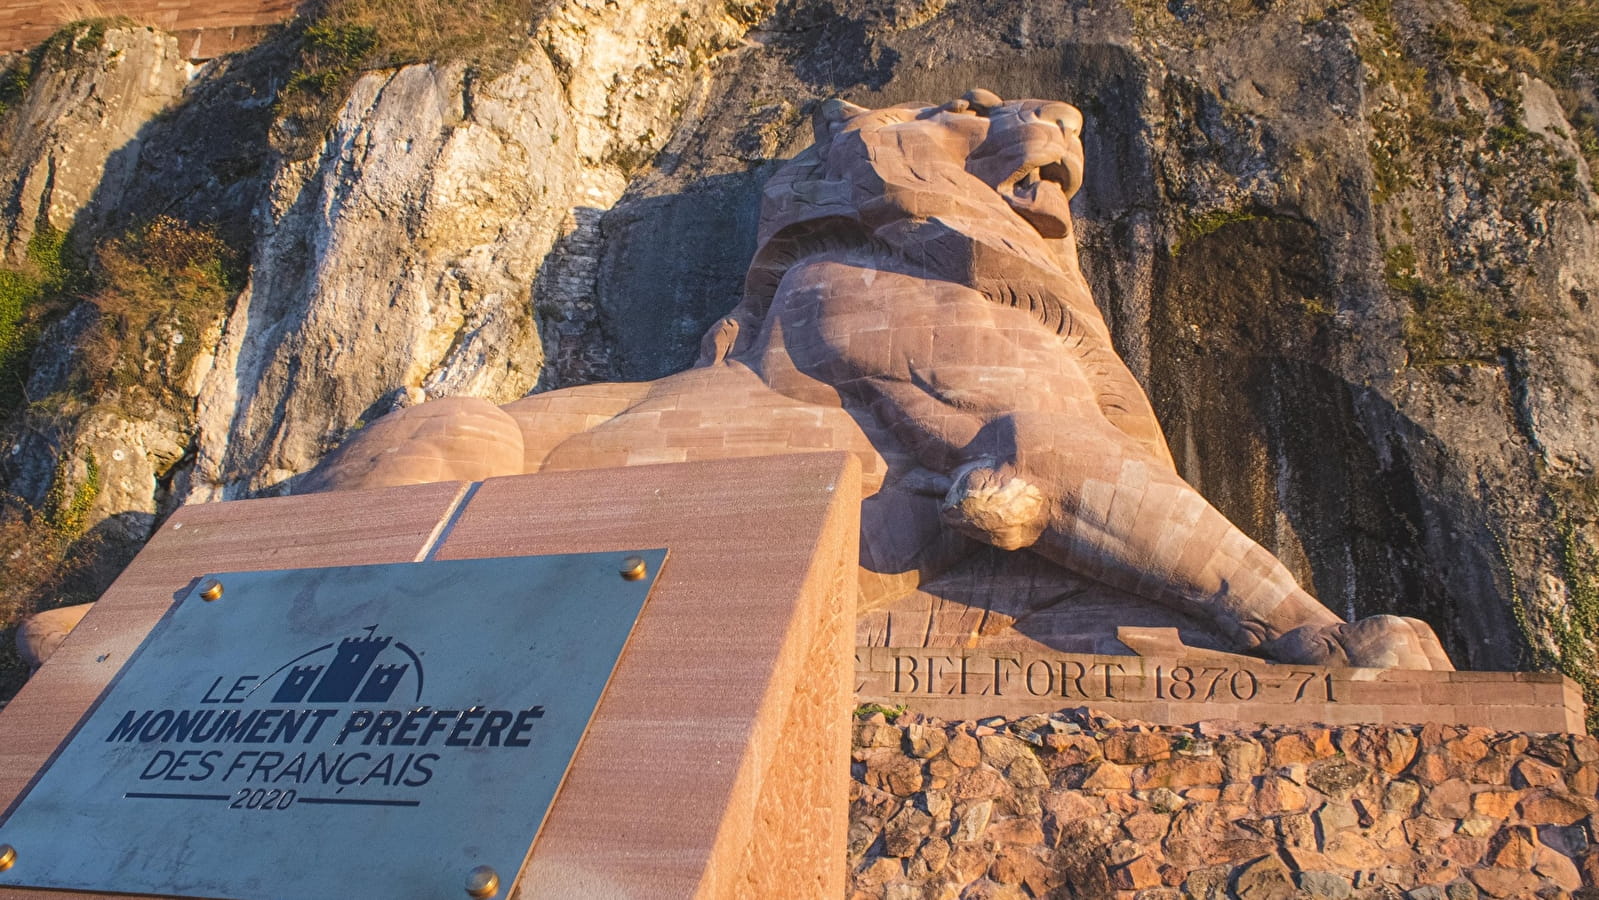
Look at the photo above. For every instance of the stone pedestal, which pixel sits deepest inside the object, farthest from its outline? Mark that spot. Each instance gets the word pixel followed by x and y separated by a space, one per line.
pixel 716 764
pixel 1167 683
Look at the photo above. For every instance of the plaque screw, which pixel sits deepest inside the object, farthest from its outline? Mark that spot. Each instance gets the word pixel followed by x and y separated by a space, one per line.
pixel 482 882
pixel 8 856
pixel 633 568
pixel 210 589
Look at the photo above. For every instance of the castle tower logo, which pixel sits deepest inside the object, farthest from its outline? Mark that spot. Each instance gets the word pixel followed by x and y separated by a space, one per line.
pixel 367 668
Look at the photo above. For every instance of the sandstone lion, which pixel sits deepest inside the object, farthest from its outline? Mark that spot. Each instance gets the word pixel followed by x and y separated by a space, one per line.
pixel 916 299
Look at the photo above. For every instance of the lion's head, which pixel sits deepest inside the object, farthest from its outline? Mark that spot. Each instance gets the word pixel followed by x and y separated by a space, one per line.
pixel 974 191
pixel 950 160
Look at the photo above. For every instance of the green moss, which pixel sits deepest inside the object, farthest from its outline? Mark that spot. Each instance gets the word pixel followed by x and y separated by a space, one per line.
pixel 17 293
pixel 1390 170
pixel 1502 138
pixel 93 36
pixel 1316 308
pixel 57 50
pixel 866 710
pixel 45 284
pixel 1491 49
pixel 157 288
pixel 1448 325
pixel 1211 222
pixel 1574 629
pixel 66 508
pixel 14 82
pixel 1555 41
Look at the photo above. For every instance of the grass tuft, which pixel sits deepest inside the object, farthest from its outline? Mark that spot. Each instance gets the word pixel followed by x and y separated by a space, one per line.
pixel 43 286
pixel 1447 324
pixel 159 287
pixel 867 710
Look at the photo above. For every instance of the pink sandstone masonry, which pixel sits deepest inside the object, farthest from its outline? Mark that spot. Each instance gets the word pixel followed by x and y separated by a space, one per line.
pixel 915 299
pixel 961 684
pixel 205 28
pixel 1079 804
pixel 715 766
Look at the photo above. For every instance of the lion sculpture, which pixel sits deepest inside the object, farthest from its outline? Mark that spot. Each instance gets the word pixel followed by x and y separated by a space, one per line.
pixel 915 299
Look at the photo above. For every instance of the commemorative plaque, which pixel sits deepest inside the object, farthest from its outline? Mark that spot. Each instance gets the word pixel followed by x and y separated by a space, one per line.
pixel 365 731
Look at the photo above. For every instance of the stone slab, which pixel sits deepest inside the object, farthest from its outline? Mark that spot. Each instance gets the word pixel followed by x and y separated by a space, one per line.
pixel 1175 690
pixel 717 764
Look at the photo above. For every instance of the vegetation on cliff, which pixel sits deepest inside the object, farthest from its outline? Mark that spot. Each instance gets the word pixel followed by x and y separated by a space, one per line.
pixel 153 292
pixel 1472 179
pixel 340 39
pixel 158 288
pixel 29 295
pixel 71 39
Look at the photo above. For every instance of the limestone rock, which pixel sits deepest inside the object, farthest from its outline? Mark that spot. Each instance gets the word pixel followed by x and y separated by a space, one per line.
pixel 78 128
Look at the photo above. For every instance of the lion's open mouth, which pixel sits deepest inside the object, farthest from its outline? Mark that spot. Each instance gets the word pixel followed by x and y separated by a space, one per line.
pixel 1041 195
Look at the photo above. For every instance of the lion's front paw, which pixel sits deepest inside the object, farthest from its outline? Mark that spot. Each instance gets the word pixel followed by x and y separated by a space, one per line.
pixel 995 507
pixel 1381 642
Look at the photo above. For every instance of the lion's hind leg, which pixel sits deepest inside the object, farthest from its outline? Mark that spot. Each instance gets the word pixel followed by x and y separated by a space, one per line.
pixel 547 420
pixel 452 439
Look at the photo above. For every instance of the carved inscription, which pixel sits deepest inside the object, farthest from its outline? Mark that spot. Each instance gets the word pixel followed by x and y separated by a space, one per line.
pixel 975 674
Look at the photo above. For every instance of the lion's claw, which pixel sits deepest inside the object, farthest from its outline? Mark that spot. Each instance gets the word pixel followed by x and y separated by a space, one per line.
pixel 1388 642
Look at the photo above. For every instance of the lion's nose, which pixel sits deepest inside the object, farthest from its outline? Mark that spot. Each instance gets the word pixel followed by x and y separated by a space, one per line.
pixel 1063 115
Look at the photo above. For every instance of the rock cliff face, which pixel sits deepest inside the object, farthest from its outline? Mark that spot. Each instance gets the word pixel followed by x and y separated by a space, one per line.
pixel 1350 250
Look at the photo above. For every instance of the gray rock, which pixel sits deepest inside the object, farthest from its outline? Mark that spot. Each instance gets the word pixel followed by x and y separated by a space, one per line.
pixel 972 819
pixel 1328 885
pixel 1265 878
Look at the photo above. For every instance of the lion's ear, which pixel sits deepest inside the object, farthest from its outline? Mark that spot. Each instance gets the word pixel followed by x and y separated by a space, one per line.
pixel 831 115
pixel 982 101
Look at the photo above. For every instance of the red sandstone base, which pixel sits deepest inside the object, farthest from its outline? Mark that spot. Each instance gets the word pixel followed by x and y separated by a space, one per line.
pixel 1179 689
pixel 717 762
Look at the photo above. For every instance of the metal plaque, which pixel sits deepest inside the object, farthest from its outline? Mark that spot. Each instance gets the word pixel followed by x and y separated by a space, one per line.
pixel 362 731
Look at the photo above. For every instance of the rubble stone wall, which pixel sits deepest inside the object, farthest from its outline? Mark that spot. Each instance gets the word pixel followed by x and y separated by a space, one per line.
pixel 1078 804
